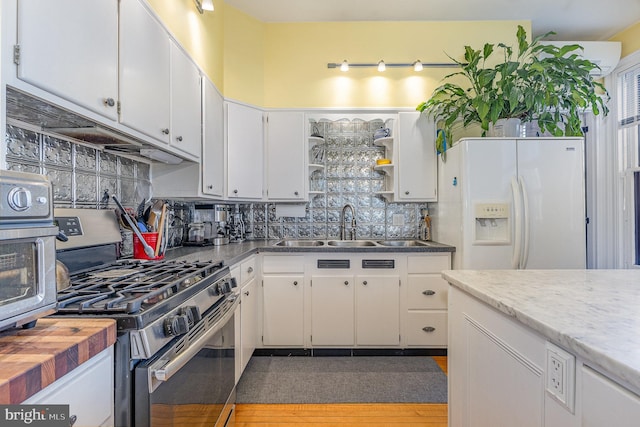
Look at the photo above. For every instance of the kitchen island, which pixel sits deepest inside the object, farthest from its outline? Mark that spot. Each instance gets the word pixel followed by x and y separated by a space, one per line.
pixel 546 347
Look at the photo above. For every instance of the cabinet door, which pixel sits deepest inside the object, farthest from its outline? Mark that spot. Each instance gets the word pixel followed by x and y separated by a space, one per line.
pixel 285 154
pixel 186 104
pixel 332 310
pixel 70 48
pixel 244 152
pixel 88 390
pixel 606 403
pixel 417 172
pixel 248 322
pixel 283 310
pixel 144 72
pixel 213 142
pixel 378 310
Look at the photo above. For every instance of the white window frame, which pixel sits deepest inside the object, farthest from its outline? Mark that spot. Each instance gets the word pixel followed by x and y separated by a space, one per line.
pixel 618 238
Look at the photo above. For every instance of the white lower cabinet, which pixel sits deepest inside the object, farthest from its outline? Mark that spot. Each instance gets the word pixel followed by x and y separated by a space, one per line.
pixel 332 310
pixel 248 321
pixel 283 310
pixel 88 390
pixel 500 375
pixel 427 300
pixel 605 403
pixel 354 300
pixel 246 318
pixel 377 310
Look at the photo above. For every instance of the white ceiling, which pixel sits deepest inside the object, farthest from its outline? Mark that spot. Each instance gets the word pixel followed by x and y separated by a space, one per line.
pixel 580 20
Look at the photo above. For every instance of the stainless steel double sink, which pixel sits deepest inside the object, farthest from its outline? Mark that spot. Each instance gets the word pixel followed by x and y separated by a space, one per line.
pixel 303 243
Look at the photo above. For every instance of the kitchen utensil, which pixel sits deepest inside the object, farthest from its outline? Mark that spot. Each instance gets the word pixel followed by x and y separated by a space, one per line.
pixel 147 249
pixel 163 214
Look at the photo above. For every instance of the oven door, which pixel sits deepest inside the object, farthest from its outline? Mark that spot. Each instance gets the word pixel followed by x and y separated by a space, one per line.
pixel 27 275
pixel 192 380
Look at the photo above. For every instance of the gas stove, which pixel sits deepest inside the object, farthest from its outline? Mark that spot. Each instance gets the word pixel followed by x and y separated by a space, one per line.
pixel 172 316
pixel 153 300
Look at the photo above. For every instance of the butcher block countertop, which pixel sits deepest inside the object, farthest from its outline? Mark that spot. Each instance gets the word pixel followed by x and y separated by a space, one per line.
pixel 31 359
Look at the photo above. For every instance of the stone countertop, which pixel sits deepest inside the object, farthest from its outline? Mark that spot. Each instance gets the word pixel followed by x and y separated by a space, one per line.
pixel 31 359
pixel 235 252
pixel 594 314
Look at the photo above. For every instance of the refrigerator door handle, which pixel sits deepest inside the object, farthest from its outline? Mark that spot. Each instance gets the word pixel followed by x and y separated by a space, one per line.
pixel 517 209
pixel 525 219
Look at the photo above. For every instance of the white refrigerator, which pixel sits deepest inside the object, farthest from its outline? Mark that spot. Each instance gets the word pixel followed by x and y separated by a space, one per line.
pixel 508 203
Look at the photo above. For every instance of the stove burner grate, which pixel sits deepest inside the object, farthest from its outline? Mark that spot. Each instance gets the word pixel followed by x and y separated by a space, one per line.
pixel 131 286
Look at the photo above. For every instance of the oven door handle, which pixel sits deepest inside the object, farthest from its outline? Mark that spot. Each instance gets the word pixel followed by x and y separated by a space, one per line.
pixel 172 367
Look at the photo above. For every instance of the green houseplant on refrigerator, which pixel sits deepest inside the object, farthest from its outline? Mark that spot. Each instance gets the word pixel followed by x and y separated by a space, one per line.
pixel 549 84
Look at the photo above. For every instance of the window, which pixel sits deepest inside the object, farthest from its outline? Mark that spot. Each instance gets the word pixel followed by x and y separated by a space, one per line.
pixel 628 123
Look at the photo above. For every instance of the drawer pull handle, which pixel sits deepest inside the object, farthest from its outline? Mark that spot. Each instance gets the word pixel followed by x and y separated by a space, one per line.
pixel 250 270
pixel 429 292
pixel 428 329
pixel 295 283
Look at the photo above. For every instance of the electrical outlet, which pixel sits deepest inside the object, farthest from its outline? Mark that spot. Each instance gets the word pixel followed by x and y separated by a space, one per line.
pixel 560 374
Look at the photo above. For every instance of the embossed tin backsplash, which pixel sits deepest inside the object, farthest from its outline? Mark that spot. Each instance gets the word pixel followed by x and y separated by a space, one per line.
pixel 348 177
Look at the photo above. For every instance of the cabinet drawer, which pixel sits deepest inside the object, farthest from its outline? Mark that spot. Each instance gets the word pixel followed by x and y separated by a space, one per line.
pixel 283 264
pixel 427 291
pixel 88 390
pixel 426 328
pixel 428 263
pixel 247 270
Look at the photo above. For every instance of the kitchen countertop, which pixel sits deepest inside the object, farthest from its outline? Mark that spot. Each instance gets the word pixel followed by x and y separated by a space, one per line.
pixel 31 359
pixel 594 314
pixel 235 252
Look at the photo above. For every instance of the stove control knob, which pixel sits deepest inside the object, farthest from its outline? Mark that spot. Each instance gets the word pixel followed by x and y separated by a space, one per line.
pixel 175 325
pixel 182 322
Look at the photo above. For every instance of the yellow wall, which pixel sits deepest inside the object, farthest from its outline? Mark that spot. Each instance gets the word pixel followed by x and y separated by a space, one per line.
pixel 296 57
pixel 200 34
pixel 630 39
pixel 244 56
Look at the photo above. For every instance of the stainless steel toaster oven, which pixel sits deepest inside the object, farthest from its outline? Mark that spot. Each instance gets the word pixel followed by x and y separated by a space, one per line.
pixel 27 249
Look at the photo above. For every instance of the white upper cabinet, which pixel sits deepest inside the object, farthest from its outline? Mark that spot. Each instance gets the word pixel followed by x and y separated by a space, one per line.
pixel 286 167
pixel 213 142
pixel 245 152
pixel 186 114
pixel 145 80
pixel 70 49
pixel 417 173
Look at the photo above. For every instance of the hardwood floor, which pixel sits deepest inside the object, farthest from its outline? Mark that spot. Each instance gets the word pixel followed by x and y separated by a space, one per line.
pixel 345 414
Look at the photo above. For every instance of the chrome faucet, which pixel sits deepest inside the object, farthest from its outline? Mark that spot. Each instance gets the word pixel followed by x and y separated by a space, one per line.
pixel 353 222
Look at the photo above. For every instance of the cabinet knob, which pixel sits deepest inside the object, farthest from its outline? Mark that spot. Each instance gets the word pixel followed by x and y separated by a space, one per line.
pixel 210 187
pixel 165 131
pixel 428 329
pixel 346 282
pixel 295 193
pixel 406 193
pixel 250 270
pixel 179 139
pixel 364 283
pixel 295 283
pixel 72 420
pixel 235 191
pixel 109 102
pixel 429 292
pixel 246 293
